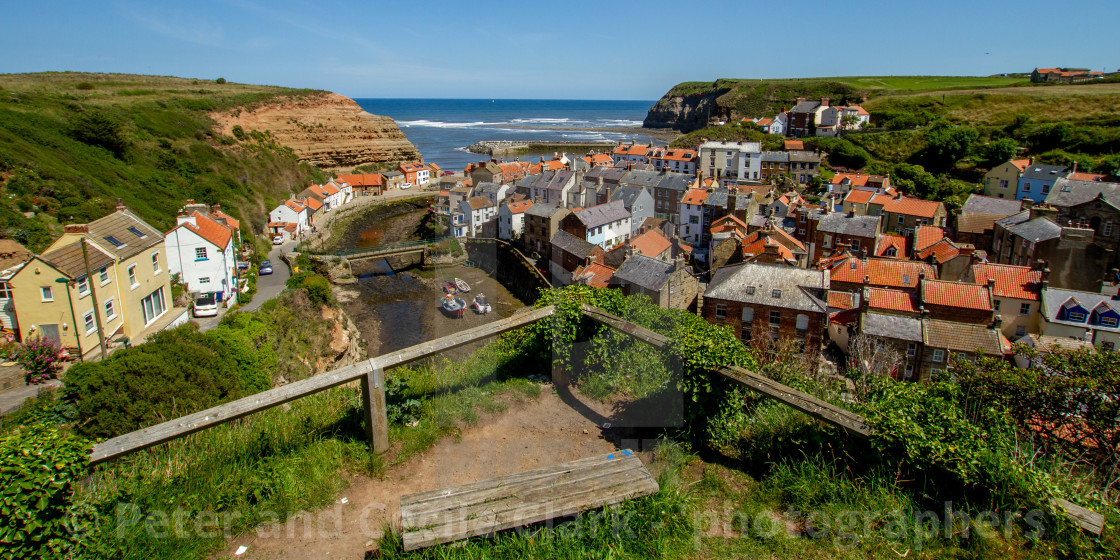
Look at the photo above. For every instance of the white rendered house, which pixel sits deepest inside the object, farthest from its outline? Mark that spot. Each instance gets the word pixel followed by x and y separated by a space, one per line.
pixel 200 250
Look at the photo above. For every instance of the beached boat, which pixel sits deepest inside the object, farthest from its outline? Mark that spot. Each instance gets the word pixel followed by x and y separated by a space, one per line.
pixel 453 306
pixel 480 305
pixel 449 287
pixel 462 285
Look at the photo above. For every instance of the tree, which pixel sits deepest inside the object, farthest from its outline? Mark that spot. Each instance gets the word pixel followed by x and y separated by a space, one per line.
pixel 100 128
pixel 842 153
pixel 999 151
pixel 870 359
pixel 946 144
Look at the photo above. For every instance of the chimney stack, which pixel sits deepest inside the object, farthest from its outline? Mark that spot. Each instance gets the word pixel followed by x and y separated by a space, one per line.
pixel 76 228
pixel 120 205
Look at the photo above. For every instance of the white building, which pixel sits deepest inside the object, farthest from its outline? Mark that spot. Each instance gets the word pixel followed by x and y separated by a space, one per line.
pixel 472 214
pixel 738 161
pixel 691 227
pixel 290 219
pixel 200 250
pixel 605 225
pixel 511 219
pixel 496 192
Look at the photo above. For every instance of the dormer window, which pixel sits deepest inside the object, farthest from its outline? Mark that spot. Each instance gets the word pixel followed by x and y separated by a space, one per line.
pixel 750 290
pixel 1075 316
pixel 776 293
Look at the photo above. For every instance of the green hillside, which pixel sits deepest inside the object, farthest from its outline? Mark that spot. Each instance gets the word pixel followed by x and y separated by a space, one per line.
pixel 71 144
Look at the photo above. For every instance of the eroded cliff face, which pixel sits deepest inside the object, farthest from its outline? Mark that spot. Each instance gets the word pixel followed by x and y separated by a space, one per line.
pixel 684 113
pixel 327 130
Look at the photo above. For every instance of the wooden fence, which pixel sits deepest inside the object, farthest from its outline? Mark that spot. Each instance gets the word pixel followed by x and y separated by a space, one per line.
pixel 371 374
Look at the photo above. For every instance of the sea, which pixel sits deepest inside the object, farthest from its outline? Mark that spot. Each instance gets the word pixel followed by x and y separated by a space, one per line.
pixel 443 128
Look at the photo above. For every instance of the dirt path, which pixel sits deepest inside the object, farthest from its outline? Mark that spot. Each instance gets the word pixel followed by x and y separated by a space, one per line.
pixel 527 435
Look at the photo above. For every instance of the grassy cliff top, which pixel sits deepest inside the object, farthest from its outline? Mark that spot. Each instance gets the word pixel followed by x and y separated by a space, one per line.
pixel 869 85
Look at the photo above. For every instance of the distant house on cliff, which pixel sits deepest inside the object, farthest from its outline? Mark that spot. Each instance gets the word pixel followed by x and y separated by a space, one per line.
pixel 415 173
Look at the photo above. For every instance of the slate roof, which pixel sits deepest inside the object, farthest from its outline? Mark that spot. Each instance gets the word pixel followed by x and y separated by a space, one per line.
pixel 572 244
pixel 117 225
pixel 964 337
pixel 1053 299
pixel 486 187
pixel 805 107
pixel 644 271
pixel 775 156
pixel 717 198
pixel 602 214
pixel 627 195
pixel 68 259
pixel 679 182
pixel 885 325
pixel 980 204
pixel 859 226
pixel 1038 229
pixel 609 174
pixel 800 289
pixel 542 210
pixel 1039 172
pixel 1071 192
pixel 1019 282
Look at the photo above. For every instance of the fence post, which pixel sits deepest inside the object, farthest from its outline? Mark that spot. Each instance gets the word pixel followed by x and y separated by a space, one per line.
pixel 376 419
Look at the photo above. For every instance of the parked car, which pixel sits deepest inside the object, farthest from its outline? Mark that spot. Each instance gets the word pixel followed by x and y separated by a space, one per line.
pixel 277 239
pixel 266 267
pixel 406 185
pixel 206 305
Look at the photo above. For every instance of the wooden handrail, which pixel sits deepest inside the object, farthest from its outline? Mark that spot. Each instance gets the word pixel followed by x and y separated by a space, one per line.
pixel 214 416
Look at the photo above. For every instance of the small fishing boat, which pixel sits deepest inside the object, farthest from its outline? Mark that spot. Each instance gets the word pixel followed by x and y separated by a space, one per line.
pixel 480 305
pixel 462 285
pixel 453 306
pixel 449 287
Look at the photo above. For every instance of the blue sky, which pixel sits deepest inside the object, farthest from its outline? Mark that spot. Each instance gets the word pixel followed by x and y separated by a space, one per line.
pixel 569 50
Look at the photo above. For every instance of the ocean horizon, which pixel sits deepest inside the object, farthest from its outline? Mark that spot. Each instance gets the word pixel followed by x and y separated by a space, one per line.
pixel 443 128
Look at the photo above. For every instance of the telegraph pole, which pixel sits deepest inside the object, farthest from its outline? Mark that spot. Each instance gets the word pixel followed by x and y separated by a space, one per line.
pixel 93 294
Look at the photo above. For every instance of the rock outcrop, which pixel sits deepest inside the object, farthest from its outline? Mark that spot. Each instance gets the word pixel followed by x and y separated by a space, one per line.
pixel 327 130
pixel 684 112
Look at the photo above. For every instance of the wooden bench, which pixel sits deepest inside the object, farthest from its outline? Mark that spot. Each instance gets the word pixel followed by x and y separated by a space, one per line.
pixel 488 506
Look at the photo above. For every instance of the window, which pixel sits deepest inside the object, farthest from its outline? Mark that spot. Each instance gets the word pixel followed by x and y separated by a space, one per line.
pixel 775 318
pixel 1076 317
pixel 137 232
pixel 1024 309
pixel 750 290
pixel 48 293
pixel 5 291
pixel 132 276
pixel 90 322
pixel 776 293
pixel 995 304
pixel 155 262
pixel 200 254
pixel 110 309
pixel 802 322
pixel 1109 322
pixel 1020 331
pixel 827 241
pixel 748 314
pixel 116 242
pixel 1107 231
pixel 1026 187
pixel 721 312
pixel 152 306
pixel 891 252
pixel 104 274
pixel 901 220
pixel 745 333
pixel 83 286
pixel 855 244
pixel 938 356
pixel 911 350
pixel 909 371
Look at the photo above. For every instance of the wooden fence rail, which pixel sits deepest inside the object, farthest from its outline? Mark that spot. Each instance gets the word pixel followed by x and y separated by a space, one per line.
pixel 371 373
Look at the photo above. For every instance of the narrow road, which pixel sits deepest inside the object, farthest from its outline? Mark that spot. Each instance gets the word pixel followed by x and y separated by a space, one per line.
pixel 270 285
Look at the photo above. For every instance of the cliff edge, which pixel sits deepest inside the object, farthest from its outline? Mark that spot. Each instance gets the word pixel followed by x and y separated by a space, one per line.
pixel 325 129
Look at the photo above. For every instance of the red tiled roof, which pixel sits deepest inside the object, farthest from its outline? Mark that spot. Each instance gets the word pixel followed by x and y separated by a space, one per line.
pixel 1021 163
pixel 728 223
pixel 926 236
pixel 295 205
pixel 765 122
pixel 445 194
pixel 841 300
pixel 882 272
pixel 679 155
pixel 795 145
pixel 859 196
pixel 330 189
pixel 855 179
pixel 694 196
pixel 363 180
pixel 956 294
pixel 210 230
pixel 1019 282
pixel 888 240
pixel 844 317
pixel 313 204
pixel 230 220
pixel 595 274
pixel 1079 176
pixel 651 243
pixel 942 251
pixel 893 300
pixel 758 247
pixel 410 167
pixel 520 206
pixel 907 206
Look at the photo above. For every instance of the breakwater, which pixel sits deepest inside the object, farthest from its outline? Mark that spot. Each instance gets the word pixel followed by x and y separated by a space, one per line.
pixel 496 148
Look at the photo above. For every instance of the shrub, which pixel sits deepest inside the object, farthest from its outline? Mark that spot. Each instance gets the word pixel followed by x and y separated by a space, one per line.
pixel 238 132
pixel 317 287
pixel 84 85
pixel 39 468
pixel 100 128
pixel 39 358
pixel 842 152
pixel 220 81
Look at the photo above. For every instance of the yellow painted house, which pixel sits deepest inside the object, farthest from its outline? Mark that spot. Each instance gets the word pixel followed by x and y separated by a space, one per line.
pixel 53 297
pixel 1003 180
pixel 139 263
